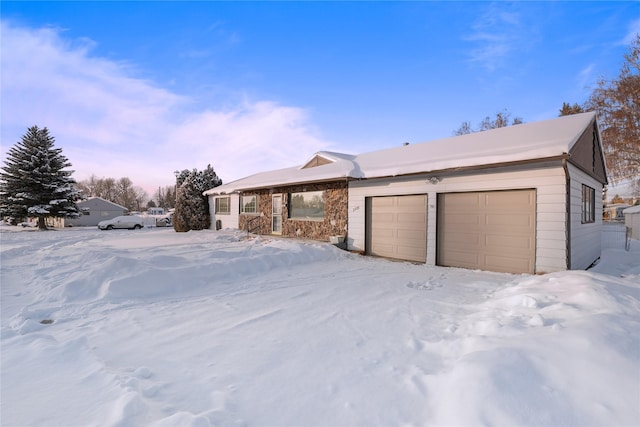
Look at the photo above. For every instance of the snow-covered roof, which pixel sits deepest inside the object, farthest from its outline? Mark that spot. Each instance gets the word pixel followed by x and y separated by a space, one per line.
pixel 537 140
pixel 100 199
pixel 634 209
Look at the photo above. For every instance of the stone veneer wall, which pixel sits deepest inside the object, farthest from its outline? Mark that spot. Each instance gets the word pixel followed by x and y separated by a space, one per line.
pixel 335 212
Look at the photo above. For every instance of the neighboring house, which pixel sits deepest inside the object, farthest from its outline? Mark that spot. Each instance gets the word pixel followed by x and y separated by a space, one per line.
pixel 94 210
pixel 155 211
pixel 522 199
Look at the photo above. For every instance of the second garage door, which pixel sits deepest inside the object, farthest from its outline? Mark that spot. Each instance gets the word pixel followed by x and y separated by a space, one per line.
pixel 397 227
pixel 493 230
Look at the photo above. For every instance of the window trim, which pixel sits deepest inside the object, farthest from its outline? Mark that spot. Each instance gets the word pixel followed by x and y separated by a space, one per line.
pixel 588 205
pixel 291 214
pixel 243 204
pixel 217 209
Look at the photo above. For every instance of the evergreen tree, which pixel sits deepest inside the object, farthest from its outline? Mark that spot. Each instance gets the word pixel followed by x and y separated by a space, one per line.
pixel 568 109
pixel 33 181
pixel 192 207
pixel 180 215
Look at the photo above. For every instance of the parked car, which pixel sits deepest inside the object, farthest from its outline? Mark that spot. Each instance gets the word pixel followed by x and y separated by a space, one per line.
pixel 133 222
pixel 163 222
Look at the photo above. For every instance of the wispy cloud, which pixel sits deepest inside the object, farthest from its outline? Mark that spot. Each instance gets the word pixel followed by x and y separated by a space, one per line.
pixel 496 35
pixel 586 77
pixel 110 123
pixel 634 31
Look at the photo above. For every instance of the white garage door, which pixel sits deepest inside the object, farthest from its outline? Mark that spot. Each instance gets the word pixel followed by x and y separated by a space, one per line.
pixel 492 230
pixel 397 227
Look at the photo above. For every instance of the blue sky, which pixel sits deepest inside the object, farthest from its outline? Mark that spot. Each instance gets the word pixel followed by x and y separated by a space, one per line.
pixel 140 89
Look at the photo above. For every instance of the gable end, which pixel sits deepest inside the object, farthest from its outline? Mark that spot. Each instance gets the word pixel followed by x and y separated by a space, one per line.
pixel 586 153
pixel 317 160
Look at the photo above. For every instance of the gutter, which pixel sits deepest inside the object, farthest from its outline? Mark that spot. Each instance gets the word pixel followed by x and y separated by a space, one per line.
pixel 272 185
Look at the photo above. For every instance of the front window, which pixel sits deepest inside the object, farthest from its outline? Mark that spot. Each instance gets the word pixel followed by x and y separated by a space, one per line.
pixel 307 205
pixel 588 204
pixel 249 204
pixel 223 205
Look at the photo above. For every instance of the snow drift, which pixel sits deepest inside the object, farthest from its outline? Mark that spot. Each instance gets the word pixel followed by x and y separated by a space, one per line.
pixel 213 329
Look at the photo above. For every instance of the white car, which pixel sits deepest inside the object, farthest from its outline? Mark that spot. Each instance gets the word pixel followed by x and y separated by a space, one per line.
pixel 133 222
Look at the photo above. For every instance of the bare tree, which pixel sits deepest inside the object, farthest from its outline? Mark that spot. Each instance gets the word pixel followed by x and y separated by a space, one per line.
pixel 502 119
pixel 617 102
pixel 166 196
pixel 464 129
pixel 120 191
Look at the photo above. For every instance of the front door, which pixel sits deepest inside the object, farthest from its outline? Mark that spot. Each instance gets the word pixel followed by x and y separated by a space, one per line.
pixel 276 220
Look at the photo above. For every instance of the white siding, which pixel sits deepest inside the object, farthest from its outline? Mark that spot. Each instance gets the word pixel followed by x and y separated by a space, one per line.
pixel 230 220
pixel 586 239
pixel 549 184
pixel 632 221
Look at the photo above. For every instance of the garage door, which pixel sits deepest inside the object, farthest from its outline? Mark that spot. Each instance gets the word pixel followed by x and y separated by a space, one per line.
pixel 397 227
pixel 492 230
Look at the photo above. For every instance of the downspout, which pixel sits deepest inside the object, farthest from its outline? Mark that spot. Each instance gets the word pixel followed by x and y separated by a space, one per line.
pixel 346 232
pixel 568 213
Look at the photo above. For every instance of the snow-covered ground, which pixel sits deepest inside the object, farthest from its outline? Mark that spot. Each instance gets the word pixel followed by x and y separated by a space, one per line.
pixel 153 327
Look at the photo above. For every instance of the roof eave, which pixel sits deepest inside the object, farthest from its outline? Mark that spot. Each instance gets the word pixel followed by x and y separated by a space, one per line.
pixel 239 190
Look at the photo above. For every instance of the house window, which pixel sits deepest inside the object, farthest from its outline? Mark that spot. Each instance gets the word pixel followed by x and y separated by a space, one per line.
pixel 307 206
pixel 588 204
pixel 249 204
pixel 223 205
pixel 86 211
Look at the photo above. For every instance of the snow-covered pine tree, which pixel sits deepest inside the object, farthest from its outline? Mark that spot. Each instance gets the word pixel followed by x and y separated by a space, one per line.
pixel 207 180
pixel 34 182
pixel 180 217
pixel 192 207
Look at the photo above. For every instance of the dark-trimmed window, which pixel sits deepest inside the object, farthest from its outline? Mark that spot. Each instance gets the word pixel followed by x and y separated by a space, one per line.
pixel 223 205
pixel 249 204
pixel 588 204
pixel 307 205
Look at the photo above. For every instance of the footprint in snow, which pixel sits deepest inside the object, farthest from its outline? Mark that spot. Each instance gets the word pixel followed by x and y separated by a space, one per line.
pixel 423 286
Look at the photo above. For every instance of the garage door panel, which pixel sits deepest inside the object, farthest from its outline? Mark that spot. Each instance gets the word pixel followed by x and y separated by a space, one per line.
pixel 498 227
pixel 461 239
pixel 464 199
pixel 398 227
pixel 416 203
pixel 385 232
pixel 504 264
pixel 412 235
pixel 410 217
pixel 496 243
pixel 515 221
pixel 412 253
pixel 463 219
pixel 462 259
pixel 380 202
pixel 508 199
pixel 383 218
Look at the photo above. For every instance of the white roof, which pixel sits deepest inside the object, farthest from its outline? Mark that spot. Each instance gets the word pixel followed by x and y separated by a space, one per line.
pixel 538 140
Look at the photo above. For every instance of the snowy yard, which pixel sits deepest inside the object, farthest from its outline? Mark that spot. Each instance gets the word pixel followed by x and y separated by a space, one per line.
pixel 207 328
